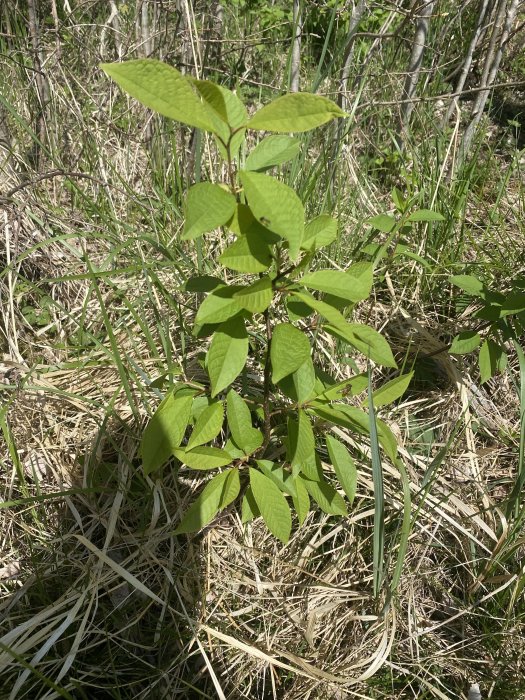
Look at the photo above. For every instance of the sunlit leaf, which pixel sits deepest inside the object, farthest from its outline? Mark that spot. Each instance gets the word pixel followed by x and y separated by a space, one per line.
pixel 163 89
pixel 165 431
pixel 288 350
pixel 207 207
pixel 276 206
pixel 343 465
pixel 227 354
pixel 216 495
pixel 300 111
pixel 272 505
pixel 208 425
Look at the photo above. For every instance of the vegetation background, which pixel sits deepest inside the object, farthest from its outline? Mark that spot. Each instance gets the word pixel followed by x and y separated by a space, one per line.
pixel 98 599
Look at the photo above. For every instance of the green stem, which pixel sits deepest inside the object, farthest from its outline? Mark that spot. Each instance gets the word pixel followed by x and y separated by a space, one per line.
pixel 267 384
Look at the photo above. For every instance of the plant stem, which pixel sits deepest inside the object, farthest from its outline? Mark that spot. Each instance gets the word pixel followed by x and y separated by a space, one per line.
pixel 267 383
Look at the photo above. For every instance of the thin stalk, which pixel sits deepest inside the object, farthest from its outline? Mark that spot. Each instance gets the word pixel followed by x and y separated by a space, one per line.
pixel 379 500
pixel 267 383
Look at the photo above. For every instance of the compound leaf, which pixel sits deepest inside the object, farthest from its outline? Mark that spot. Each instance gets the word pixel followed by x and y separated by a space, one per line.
pixel 301 441
pixel 299 386
pixel 340 284
pixel 282 478
pixel 382 222
pixel 326 497
pixel 319 232
pixel 247 254
pixel 301 500
pixel 365 339
pixel 231 113
pixel 219 306
pixel 249 509
pixel 425 215
pixel 391 391
pixel 465 342
pixel 492 358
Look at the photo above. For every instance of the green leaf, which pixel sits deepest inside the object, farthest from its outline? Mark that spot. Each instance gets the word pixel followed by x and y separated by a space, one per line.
pixel 204 457
pixel 364 272
pixel 363 338
pixel 340 284
pixel 208 206
pixel 425 215
pixel 353 418
pixel 300 111
pixel 244 223
pixel 327 310
pixel 163 89
pixel 230 110
pixel 319 232
pixel 165 431
pixel 296 309
pixel 289 348
pixel 282 478
pixel 249 511
pixel 276 206
pixel 337 391
pixel 492 359
pixel 391 391
pixel 202 283
pixel 208 425
pixel 343 466
pixel 247 254
pixel 216 495
pixel 219 306
pixel 257 296
pixel 271 151
pixel 465 342
pixel 299 386
pixel 367 340
pixel 301 501
pixel 224 103
pixel 239 417
pixel 382 222
pixel 399 200
pixel 300 440
pixel 469 283
pixel 311 468
pixel 326 497
pixel 272 505
pixel 233 450
pixel 227 354
pixel 513 304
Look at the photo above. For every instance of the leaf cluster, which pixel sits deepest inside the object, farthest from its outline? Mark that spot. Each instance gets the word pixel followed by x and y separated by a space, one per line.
pixel 269 439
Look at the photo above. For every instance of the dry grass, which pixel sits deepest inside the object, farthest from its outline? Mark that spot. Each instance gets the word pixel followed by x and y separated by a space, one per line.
pixel 98 599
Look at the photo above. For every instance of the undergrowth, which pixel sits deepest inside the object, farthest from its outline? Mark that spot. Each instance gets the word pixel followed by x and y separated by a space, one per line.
pixel 98 598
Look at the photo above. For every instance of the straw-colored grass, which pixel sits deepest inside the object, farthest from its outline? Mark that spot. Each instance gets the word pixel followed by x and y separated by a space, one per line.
pixel 98 598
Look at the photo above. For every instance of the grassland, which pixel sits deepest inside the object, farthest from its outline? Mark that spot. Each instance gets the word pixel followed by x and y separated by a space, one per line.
pixel 97 598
